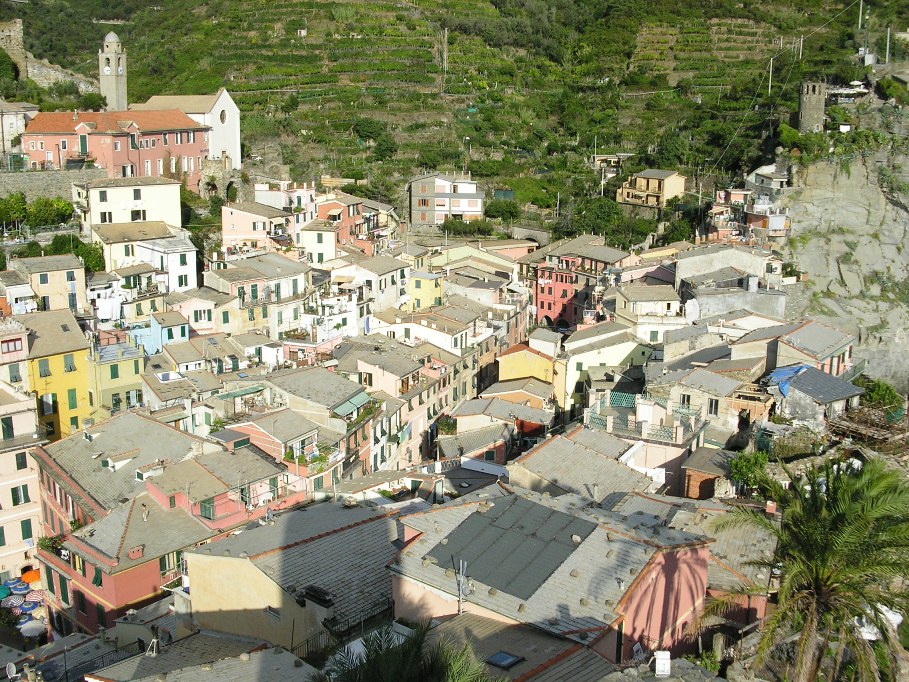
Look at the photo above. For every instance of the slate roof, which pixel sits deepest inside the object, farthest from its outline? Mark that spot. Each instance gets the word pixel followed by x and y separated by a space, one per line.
pixel 526 548
pixel 170 318
pixel 472 441
pixel 381 265
pixel 141 522
pixel 585 245
pixel 285 425
pixel 768 333
pixel 316 384
pixel 127 182
pixel 530 385
pixel 545 657
pixel 261 210
pixel 543 334
pixel 817 340
pixel 267 665
pixel 595 332
pixel 46 263
pixel 193 650
pixel 644 292
pixel 709 461
pixel 732 549
pixel 822 387
pixel 271 265
pixel 655 174
pixel 117 233
pixel 714 384
pixel 582 466
pixel 52 332
pixel 724 274
pixel 190 104
pixel 503 410
pixel 144 440
pixel 340 550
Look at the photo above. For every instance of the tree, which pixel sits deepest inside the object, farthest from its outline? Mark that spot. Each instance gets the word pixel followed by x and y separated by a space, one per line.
pixel 879 393
pixel 748 468
pixel 92 101
pixel 369 128
pixel 506 209
pixel 385 147
pixel 843 554
pixel 291 103
pixel 388 658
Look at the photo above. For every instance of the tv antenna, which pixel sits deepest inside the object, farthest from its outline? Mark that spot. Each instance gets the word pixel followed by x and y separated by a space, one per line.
pixel 462 582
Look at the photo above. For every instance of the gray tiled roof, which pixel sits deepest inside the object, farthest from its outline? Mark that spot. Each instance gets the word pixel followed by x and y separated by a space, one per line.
pixel 585 245
pixel 272 265
pixel 286 425
pixel 471 441
pixel 644 292
pixel 141 522
pixel 822 387
pixel 268 665
pixel 530 385
pixel 52 332
pixel 714 384
pixel 543 334
pixel 46 263
pixel 817 340
pixel 580 592
pixel 381 265
pixel 655 173
pixel 709 461
pixel 767 333
pixel 261 210
pixel 145 441
pixel 316 384
pixel 540 651
pixel 595 332
pixel 504 410
pixel 193 650
pixel 586 464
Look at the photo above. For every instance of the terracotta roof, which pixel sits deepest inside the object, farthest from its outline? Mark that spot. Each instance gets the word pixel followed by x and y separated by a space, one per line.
pixel 517 348
pixel 106 122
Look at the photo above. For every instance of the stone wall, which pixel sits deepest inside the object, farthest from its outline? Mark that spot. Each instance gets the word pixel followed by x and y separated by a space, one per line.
pixel 540 234
pixel 12 42
pixel 50 184
pixel 46 74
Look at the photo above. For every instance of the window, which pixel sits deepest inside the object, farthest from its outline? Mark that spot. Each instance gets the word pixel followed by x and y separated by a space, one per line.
pixel 137 194
pixel 71 399
pixel 138 309
pixel 489 455
pixel 42 278
pixel 225 317
pixel 20 494
pixel 251 313
pixel 64 590
pixel 73 425
pixel 654 336
pixel 26 525
pixel 136 216
pixel 116 145
pixel 183 280
pixel 685 400
pixel 207 508
pixel 48 404
pixel 135 366
pixel 114 371
pixel 318 237
pixel 69 363
pixel 80 600
pixel 182 259
pixel 264 311
pixel 11 346
pixel 97 580
pixel 579 366
pixel 15 376
pixel 102 616
pixel 713 407
pixel 416 284
pixel 172 501
pixel 128 250
pixel 3 540
pixel 317 483
pixel 21 458
pixel 107 217
pixel 170 333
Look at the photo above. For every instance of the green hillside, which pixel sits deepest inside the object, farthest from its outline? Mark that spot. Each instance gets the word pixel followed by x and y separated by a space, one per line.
pixel 531 85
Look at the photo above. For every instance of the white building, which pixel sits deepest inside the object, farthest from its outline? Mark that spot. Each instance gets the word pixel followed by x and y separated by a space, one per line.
pixel 128 200
pixel 296 198
pixel 434 198
pixel 380 280
pixel 218 111
pixel 174 257
pixel 14 116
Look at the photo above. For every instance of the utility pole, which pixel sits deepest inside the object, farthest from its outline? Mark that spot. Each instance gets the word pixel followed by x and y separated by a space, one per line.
pixel 770 80
pixel 887 57
pixel 861 12
pixel 801 45
pixel 444 57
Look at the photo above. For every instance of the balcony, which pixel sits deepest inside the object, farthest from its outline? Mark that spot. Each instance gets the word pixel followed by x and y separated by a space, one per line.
pixel 270 299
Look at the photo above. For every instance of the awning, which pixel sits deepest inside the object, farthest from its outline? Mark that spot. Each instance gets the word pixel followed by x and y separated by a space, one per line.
pixel 360 399
pixel 336 211
pixel 240 392
pixel 345 408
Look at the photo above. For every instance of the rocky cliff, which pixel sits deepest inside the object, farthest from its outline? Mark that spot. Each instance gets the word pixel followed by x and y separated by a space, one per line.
pixel 849 234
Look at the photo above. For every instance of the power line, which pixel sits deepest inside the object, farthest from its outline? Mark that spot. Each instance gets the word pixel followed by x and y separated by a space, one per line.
pixel 761 84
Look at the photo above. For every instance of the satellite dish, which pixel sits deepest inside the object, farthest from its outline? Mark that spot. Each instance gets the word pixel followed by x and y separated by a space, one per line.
pixel 11 670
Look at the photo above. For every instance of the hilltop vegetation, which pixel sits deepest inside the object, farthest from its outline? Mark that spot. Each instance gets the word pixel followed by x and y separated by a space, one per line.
pixel 531 87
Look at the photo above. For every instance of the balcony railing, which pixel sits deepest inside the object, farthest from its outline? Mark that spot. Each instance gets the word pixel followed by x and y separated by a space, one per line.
pixel 271 299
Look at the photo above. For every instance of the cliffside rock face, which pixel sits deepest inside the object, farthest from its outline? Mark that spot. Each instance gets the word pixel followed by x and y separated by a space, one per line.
pixel 849 234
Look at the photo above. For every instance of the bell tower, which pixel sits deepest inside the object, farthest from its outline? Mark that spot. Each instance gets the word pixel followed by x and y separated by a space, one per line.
pixel 112 72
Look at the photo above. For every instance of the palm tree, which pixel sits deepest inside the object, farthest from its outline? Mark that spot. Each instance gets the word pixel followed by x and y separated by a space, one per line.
pixel 387 657
pixel 843 553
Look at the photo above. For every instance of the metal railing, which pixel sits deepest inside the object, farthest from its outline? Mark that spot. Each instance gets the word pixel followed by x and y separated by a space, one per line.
pixel 336 631
pixel 80 670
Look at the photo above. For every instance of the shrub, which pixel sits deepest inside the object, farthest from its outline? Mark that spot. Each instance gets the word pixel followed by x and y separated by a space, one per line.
pixel 748 468
pixel 506 209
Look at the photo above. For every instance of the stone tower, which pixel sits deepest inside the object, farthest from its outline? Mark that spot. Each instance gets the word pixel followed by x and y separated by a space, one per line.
pixel 812 98
pixel 112 72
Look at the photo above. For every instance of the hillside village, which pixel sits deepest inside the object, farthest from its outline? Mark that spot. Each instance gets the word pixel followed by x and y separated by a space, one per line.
pixel 239 459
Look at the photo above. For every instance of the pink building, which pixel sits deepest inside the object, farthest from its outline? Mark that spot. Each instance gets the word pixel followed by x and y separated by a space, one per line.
pixel 126 143
pixel 252 227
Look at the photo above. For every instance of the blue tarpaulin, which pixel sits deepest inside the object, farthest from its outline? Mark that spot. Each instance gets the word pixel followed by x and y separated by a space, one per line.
pixel 783 376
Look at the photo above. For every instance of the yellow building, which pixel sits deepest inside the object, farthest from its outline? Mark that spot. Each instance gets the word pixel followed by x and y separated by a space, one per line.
pixel 58 370
pixel 522 361
pixel 424 289
pixel 116 378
